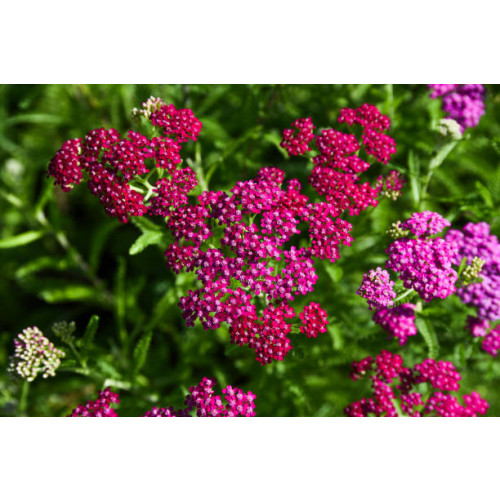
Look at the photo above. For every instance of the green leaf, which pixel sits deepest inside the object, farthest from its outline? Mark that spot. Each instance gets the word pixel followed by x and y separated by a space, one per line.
pixel 35 118
pixel 145 240
pixel 429 335
pixel 43 263
pixel 21 239
pixel 88 337
pixel 463 265
pixel 335 272
pixel 152 234
pixel 485 194
pixel 69 293
pixel 141 350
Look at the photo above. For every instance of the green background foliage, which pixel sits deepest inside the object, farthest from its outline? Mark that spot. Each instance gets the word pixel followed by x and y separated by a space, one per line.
pixel 61 258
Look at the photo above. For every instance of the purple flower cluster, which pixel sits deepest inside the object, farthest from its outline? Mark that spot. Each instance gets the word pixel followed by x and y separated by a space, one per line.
pixel 203 400
pixel 399 321
pixel 424 263
pixel 395 389
pixel 475 240
pixel 377 288
pixel 462 103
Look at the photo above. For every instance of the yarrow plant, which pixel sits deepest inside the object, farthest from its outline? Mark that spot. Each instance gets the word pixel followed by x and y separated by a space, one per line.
pixel 242 245
pixel 399 391
pixel 34 355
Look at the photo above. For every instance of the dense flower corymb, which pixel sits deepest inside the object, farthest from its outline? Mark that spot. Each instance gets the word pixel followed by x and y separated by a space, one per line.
pixel 377 288
pixel 115 166
pixel 396 389
pixel 475 241
pixel 424 263
pixel 462 103
pixel 100 407
pixel 34 355
pixel 399 321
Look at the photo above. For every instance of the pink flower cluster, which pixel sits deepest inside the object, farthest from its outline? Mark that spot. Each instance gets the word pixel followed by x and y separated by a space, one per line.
pixel 201 400
pixel 101 407
pixel 242 245
pixel 337 165
pixel 296 140
pixel 462 103
pixel 399 321
pixel 377 288
pixel 425 223
pixel 314 320
pixel 395 389
pixel 205 403
pixel 491 336
pixel 236 244
pixel 114 165
pixel 391 185
pixel 475 240
pixel 424 263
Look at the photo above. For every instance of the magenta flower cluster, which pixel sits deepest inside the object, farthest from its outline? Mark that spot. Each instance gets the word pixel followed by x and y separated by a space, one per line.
pixel 200 400
pixel 245 246
pixel 338 162
pixel 296 139
pixel 425 223
pixel 239 244
pixel 115 166
pixel 462 103
pixel 391 185
pixel 424 263
pixel 398 321
pixel 205 403
pixel 395 389
pixel 475 240
pixel 314 320
pixel 377 288
pixel 100 407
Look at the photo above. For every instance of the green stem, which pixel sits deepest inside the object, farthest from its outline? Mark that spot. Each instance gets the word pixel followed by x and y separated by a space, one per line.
pixel 437 159
pixel 83 363
pixel 23 400
pixel 401 297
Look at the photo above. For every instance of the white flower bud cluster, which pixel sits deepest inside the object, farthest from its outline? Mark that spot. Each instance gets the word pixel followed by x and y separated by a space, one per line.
pixel 34 355
pixel 471 273
pixel 64 331
pixel 450 128
pixel 396 231
pixel 150 106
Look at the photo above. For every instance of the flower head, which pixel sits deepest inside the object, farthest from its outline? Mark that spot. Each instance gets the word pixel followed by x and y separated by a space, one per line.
pixel 34 355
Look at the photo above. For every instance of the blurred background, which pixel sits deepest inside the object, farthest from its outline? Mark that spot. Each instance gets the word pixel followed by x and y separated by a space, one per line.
pixel 73 261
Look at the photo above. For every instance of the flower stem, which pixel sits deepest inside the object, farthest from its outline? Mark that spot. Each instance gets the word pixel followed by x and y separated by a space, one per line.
pixel 23 400
pixel 437 159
